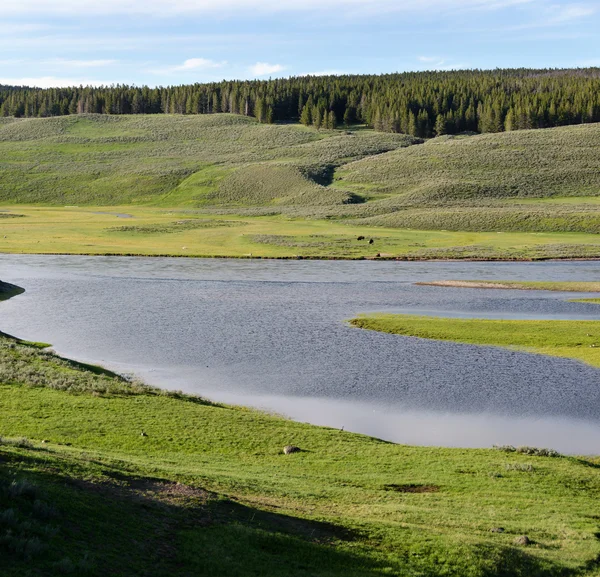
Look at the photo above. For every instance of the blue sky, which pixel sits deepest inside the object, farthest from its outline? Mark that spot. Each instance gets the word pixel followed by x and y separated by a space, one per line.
pixel 165 42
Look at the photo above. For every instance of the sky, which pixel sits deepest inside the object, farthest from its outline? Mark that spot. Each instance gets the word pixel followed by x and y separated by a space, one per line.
pixel 168 42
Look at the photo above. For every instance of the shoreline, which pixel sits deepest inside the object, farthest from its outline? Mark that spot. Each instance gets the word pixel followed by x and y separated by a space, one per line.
pixel 314 258
pixel 8 290
pixel 552 286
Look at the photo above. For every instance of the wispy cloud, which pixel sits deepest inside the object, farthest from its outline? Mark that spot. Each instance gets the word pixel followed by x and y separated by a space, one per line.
pixel 558 15
pixel 437 63
pixel 178 7
pixel 264 68
pixel 52 82
pixel 562 14
pixel 198 64
pixel 190 65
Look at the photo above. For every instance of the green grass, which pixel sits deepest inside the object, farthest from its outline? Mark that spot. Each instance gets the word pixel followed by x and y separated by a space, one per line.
pixel 173 160
pixel 593 301
pixel 525 164
pixel 207 490
pixel 571 339
pixel 513 196
pixel 561 286
pixel 154 231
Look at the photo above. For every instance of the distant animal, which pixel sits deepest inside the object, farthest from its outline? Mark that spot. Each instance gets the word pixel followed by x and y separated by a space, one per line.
pixel 371 241
pixel 143 434
pixel 289 449
pixel 358 238
pixel 378 254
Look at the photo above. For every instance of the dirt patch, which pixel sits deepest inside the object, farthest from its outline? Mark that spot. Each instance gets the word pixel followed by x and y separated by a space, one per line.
pixel 412 488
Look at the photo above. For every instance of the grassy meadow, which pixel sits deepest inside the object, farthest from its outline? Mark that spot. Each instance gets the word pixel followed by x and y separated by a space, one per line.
pixel 578 340
pixel 181 232
pixel 288 190
pixel 101 475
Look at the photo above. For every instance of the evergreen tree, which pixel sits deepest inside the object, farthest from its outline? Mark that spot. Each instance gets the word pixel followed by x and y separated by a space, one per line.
pixel 306 116
pixel 440 125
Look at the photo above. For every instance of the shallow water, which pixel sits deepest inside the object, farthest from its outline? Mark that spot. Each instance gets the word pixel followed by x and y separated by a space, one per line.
pixel 272 334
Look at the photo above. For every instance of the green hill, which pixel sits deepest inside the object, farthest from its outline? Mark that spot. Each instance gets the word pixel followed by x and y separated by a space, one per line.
pixel 417 199
pixel 175 160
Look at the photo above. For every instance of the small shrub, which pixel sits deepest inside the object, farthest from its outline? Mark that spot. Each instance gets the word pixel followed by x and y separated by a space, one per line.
pixel 22 442
pixel 538 452
pixel 67 566
pixel 8 518
pixel 43 510
pixel 534 451
pixel 523 467
pixel 21 488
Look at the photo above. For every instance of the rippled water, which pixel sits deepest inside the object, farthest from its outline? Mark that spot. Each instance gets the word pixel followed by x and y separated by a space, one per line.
pixel 273 334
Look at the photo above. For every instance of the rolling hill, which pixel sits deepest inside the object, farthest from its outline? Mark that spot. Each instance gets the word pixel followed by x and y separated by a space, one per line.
pixel 527 182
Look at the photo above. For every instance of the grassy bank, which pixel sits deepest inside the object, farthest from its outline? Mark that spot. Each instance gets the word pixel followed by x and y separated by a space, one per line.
pixel 571 339
pixel 100 475
pixel 294 191
pixel 133 230
pixel 9 290
pixel 561 286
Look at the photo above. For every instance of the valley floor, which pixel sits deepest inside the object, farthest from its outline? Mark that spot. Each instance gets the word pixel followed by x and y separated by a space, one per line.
pixel 132 230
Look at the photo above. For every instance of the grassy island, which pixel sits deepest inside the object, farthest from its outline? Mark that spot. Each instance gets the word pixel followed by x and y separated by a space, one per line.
pixel 571 339
pixel 561 286
pixel 102 475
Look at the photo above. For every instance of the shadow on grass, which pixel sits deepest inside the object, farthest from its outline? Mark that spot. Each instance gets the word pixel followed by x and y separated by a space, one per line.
pixel 88 518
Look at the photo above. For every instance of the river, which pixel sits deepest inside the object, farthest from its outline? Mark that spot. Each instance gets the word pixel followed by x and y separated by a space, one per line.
pixel 272 334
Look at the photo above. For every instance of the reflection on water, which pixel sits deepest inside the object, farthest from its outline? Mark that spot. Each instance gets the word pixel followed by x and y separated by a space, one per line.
pixel 413 427
pixel 273 334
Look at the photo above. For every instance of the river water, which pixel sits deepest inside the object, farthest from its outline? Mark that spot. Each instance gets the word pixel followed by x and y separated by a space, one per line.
pixel 272 334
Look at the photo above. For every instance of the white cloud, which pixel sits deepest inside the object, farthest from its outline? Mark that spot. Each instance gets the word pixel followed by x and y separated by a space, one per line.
pixel 437 63
pixel 190 65
pixel 198 64
pixel 52 82
pixel 264 68
pixel 178 7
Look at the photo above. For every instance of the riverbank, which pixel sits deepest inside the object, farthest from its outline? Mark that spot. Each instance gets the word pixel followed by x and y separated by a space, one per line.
pixel 151 231
pixel 9 290
pixel 560 286
pixel 107 475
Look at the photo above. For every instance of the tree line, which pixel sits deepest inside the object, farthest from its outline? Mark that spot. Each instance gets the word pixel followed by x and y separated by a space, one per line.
pixel 422 104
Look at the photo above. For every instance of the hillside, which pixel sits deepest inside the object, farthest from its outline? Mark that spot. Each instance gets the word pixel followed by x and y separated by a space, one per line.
pixel 175 160
pixel 295 191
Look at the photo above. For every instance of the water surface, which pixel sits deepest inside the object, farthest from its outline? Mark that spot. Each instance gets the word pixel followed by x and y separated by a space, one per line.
pixel 272 334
